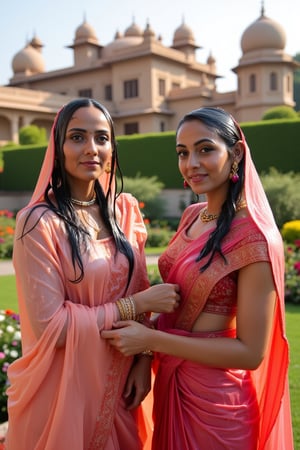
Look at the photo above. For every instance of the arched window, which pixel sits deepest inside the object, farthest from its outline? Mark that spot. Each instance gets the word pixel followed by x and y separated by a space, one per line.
pixel 252 83
pixel 273 81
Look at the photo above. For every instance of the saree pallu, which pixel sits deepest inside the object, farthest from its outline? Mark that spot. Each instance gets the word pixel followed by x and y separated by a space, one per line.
pixel 203 408
pixel 72 397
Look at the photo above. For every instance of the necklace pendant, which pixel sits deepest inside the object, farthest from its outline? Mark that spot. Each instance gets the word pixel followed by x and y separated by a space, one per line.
pixel 205 217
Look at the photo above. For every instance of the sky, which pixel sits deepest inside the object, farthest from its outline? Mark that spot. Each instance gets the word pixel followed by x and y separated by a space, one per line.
pixel 217 25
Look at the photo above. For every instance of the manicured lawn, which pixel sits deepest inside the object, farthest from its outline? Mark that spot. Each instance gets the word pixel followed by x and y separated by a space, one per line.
pixel 8 300
pixel 8 294
pixel 293 334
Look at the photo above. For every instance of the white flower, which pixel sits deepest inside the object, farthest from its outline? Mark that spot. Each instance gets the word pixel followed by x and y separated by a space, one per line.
pixel 17 336
pixel 2 317
pixel 10 329
pixel 14 353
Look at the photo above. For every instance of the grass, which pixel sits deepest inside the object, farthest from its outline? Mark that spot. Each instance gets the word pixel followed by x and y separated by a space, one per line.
pixel 293 334
pixel 8 293
pixel 8 300
pixel 154 250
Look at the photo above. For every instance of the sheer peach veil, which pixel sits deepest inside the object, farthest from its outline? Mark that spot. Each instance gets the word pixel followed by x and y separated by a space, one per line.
pixel 47 168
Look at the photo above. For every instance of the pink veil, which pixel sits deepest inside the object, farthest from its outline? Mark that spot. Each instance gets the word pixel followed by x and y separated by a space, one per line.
pixel 271 378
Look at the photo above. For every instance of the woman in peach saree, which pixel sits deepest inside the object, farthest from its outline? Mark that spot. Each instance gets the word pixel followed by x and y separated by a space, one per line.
pixel 78 258
pixel 221 364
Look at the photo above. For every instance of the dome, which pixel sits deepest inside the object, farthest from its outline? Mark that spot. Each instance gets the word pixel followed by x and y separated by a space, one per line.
pixel 263 33
pixel 85 32
pixel 133 31
pixel 28 60
pixel 183 34
pixel 121 43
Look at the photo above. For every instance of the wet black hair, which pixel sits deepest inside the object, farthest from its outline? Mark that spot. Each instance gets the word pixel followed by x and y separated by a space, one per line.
pixel 77 234
pixel 223 124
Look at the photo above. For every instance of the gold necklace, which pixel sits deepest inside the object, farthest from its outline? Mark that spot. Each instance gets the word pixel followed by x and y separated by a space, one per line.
pixel 206 217
pixel 83 203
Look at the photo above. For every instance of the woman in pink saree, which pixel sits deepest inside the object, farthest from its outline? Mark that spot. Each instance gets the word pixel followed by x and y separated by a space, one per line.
pixel 222 357
pixel 78 258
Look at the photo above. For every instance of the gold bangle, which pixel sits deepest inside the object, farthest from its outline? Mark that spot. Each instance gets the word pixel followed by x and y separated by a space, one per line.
pixel 126 307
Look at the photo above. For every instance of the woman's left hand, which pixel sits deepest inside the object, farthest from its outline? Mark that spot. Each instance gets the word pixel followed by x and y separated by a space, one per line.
pixel 129 337
pixel 138 383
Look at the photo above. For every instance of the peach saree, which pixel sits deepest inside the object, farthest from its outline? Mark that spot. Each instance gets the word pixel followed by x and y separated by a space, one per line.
pixel 71 397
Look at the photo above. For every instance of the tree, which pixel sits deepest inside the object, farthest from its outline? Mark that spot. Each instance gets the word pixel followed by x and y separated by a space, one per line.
pixel 32 134
pixel 146 190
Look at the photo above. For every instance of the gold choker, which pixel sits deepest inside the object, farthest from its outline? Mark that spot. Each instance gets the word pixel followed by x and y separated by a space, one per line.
pixel 205 217
pixel 83 203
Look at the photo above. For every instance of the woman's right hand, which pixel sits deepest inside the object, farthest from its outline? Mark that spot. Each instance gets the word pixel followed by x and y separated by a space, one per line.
pixel 160 298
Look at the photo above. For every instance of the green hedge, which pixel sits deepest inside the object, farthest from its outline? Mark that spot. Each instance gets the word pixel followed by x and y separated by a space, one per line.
pixel 273 144
pixel 21 167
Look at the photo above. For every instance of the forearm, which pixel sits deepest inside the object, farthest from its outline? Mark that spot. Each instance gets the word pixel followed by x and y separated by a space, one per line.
pixel 223 352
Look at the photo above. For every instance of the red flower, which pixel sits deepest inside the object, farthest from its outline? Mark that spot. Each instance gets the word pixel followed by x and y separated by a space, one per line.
pixel 297 267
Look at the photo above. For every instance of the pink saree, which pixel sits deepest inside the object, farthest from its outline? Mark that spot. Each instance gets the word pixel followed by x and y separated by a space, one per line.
pixel 203 408
pixel 71 397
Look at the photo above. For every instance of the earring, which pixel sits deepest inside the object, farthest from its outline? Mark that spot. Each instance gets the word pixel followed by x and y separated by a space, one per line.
pixel 185 184
pixel 234 176
pixel 107 168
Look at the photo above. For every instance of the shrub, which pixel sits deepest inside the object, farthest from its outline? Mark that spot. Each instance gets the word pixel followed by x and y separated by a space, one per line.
pixel 10 350
pixel 154 275
pixel 280 112
pixel 282 190
pixel 146 190
pixel 31 134
pixel 291 231
pixel 158 237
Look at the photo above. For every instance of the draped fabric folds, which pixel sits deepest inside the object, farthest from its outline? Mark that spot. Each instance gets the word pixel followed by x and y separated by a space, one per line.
pixel 71 397
pixel 194 405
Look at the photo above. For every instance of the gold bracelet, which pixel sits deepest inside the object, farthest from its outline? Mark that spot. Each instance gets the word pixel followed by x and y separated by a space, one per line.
pixel 121 309
pixel 126 307
pixel 147 353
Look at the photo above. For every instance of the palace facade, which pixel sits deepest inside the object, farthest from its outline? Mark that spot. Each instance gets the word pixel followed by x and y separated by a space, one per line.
pixel 147 86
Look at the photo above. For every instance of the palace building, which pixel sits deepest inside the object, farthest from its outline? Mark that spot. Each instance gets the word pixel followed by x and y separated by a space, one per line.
pixel 147 86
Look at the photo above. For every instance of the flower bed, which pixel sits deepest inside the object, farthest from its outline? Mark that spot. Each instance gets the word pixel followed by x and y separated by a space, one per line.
pixel 292 272
pixel 10 349
pixel 7 230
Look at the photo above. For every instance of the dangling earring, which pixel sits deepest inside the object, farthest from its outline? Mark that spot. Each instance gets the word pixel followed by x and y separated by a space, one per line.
pixel 234 176
pixel 107 168
pixel 185 184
